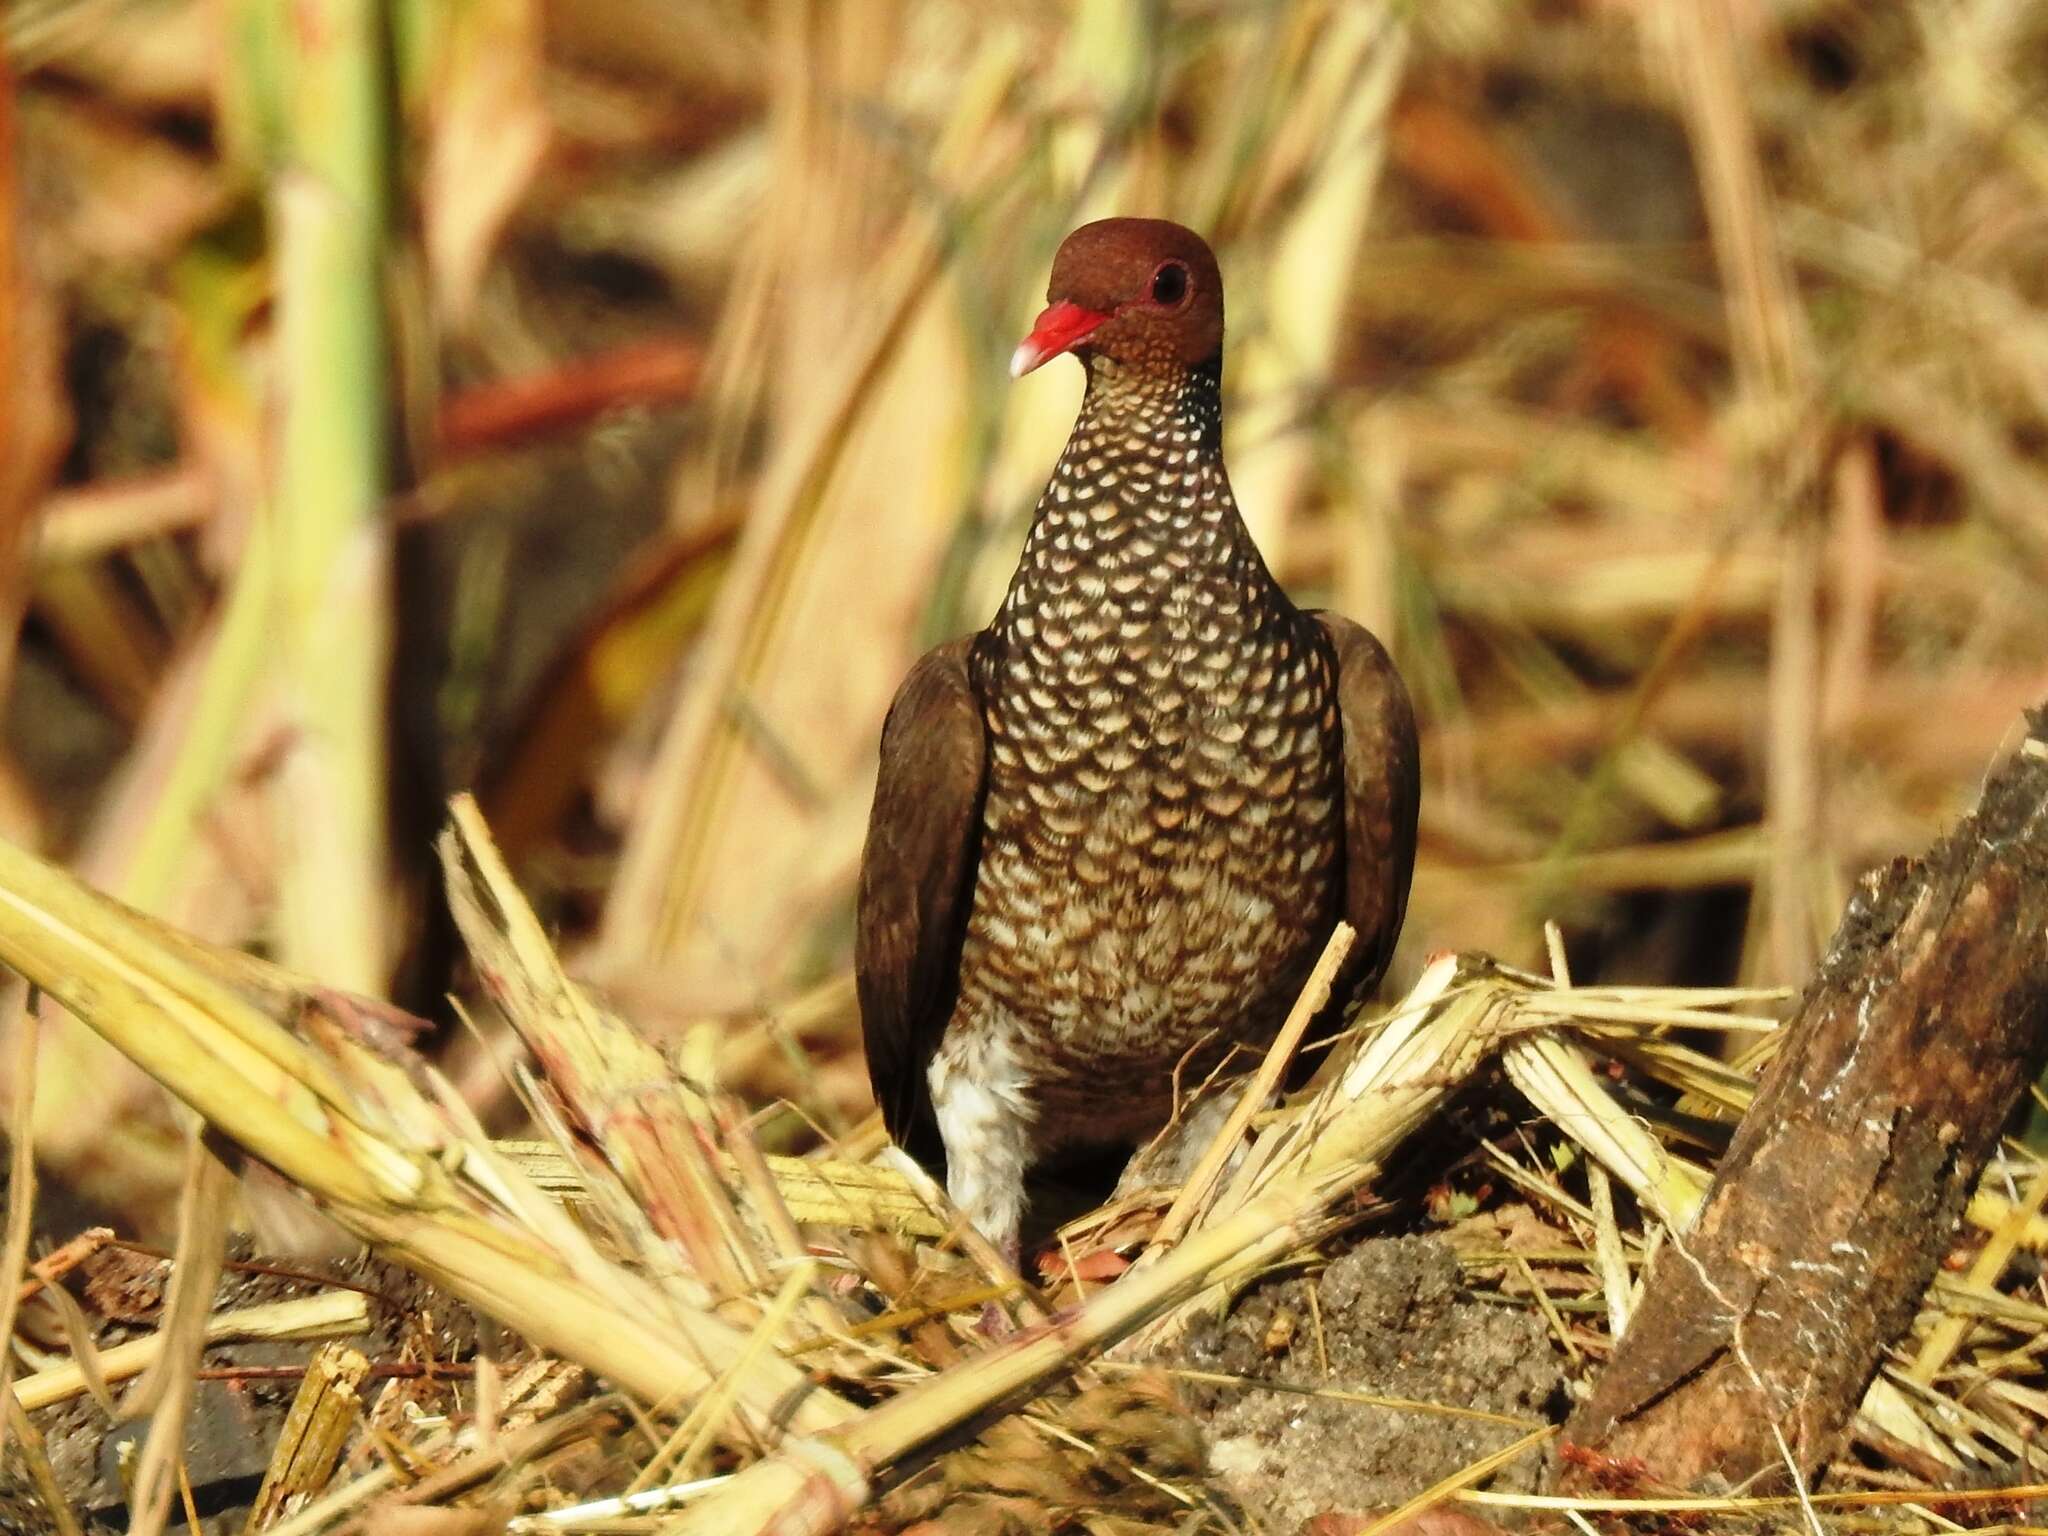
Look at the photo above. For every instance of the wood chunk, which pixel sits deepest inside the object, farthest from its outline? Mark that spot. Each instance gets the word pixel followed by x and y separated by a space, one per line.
pixel 1841 1191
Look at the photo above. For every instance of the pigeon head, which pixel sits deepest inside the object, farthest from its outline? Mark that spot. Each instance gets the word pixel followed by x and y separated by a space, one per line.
pixel 1144 292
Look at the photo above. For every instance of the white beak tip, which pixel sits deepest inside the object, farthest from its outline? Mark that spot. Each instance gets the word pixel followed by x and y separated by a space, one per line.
pixel 1024 359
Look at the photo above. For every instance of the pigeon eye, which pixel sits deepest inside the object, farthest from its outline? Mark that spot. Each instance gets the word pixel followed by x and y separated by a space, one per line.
pixel 1169 283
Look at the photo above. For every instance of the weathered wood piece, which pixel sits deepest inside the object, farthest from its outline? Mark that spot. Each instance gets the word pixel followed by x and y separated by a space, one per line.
pixel 1761 1328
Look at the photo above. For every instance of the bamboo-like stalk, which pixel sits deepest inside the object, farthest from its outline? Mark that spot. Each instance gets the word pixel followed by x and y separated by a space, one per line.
pixel 330 1314
pixel 144 843
pixel 333 594
pixel 144 847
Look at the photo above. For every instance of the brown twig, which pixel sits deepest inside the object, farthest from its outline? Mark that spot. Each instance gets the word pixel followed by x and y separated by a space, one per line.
pixel 659 371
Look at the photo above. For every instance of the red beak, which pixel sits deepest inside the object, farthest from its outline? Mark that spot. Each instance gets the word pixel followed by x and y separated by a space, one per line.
pixel 1061 328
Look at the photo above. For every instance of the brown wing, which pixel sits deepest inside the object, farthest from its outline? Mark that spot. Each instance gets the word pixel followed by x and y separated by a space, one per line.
pixel 916 877
pixel 1382 792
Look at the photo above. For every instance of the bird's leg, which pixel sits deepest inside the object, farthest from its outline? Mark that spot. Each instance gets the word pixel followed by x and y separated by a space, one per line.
pixel 1166 1161
pixel 985 1121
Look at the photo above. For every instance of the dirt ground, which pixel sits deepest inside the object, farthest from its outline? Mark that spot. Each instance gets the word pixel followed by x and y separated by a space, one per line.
pixel 1387 1320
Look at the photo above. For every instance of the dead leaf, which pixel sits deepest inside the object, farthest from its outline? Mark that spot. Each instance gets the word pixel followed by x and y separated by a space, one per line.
pixel 1096 1268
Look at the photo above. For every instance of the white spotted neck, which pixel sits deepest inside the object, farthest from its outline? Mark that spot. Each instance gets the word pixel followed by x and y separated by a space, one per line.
pixel 1139 510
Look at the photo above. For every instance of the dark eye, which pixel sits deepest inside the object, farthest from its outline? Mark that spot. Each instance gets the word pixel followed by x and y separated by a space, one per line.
pixel 1169 283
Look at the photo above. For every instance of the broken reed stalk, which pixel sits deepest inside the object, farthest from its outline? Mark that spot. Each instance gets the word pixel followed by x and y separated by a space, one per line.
pixel 316 1432
pixel 615 1086
pixel 1457 1014
pixel 391 1164
pixel 1553 1074
pixel 1552 1071
pixel 1301 1167
pixel 824 1191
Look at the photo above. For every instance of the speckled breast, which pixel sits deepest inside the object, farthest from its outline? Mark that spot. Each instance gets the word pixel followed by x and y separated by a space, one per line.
pixel 1161 843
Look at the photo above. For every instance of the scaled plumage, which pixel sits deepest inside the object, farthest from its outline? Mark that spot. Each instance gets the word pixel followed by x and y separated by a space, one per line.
pixel 1113 830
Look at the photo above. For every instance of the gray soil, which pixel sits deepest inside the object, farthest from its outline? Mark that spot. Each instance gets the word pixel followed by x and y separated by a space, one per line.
pixel 1392 1324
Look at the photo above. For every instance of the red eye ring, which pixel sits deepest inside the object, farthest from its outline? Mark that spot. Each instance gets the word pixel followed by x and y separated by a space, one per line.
pixel 1170 285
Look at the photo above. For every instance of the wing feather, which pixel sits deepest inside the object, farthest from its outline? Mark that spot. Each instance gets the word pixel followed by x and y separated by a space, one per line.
pixel 916 879
pixel 1382 794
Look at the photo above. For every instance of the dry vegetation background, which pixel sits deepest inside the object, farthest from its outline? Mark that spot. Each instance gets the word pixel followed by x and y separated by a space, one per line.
pixel 597 404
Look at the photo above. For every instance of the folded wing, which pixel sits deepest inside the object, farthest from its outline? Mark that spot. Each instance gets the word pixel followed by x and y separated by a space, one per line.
pixel 1382 793
pixel 916 881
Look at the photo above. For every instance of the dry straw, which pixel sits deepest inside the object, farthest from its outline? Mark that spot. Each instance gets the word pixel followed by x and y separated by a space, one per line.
pixel 389 1160
pixel 685 1280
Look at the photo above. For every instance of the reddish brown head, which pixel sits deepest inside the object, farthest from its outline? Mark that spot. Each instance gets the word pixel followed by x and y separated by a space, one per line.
pixel 1143 291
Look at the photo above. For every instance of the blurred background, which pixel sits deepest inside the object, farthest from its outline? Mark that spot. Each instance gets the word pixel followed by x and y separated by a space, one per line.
pixel 596 404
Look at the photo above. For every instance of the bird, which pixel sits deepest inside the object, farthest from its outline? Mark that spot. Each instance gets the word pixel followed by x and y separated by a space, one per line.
pixel 1113 831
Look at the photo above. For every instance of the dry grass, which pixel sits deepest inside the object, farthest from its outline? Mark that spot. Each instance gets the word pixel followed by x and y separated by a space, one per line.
pixel 1673 430
pixel 685 1280
pixel 1663 381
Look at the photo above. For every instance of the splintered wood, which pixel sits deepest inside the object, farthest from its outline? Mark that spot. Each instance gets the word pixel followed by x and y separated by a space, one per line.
pixel 320 1426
